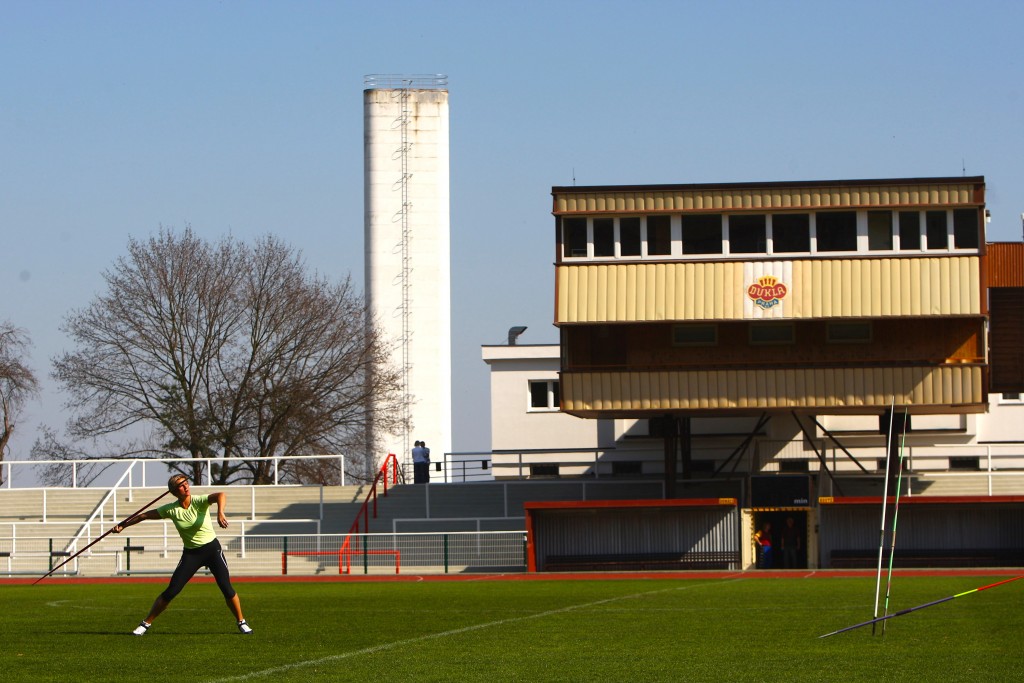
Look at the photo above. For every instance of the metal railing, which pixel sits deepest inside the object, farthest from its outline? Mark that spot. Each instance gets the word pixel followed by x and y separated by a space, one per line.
pixel 23 467
pixel 411 81
pixel 286 554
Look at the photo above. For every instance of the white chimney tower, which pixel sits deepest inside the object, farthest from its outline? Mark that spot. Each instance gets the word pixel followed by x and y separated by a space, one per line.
pixel 408 253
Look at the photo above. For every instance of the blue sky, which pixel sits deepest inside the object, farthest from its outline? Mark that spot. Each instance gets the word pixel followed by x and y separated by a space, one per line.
pixel 117 118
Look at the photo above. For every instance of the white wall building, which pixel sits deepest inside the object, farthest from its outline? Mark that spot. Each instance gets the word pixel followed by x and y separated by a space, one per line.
pixel 979 454
pixel 408 256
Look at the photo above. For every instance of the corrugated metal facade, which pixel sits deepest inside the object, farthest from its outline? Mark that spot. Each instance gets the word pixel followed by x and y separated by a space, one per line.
pixel 1005 263
pixel 816 288
pixel 635 531
pixel 768 197
pixel 921 527
pixel 635 392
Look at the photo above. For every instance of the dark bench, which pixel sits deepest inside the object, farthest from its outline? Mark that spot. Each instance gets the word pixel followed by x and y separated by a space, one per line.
pixel 928 558
pixel 643 561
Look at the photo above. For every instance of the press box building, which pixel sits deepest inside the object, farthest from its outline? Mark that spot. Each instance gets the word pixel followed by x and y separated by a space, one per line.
pixel 835 306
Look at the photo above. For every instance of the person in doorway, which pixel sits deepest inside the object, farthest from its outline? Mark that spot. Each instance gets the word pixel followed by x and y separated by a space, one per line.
pixel 763 539
pixel 191 517
pixel 791 544
pixel 421 463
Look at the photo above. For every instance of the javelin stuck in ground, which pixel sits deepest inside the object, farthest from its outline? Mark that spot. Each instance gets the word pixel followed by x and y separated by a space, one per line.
pixel 102 536
pixel 927 604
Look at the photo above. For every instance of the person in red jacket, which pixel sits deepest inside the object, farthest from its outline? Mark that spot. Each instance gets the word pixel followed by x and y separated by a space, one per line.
pixel 763 539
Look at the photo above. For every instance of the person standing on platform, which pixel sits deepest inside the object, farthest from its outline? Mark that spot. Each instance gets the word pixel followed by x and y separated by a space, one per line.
pixel 421 463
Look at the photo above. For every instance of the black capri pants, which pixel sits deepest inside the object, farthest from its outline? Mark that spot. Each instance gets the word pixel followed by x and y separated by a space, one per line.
pixel 211 556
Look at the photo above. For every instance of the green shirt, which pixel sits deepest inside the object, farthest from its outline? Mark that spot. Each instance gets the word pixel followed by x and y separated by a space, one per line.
pixel 193 524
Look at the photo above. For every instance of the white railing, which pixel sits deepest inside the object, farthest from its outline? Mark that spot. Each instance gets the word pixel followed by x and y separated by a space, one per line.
pixel 97 514
pixel 24 468
pixel 50 510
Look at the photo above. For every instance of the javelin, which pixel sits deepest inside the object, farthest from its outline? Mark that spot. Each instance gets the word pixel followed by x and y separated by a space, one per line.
pixel 927 604
pixel 885 498
pixel 895 517
pixel 104 535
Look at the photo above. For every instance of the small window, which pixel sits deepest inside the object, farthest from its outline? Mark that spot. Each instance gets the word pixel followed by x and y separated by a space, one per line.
pixel 659 235
pixel 792 466
pixel 604 237
pixel 543 470
pixel 574 237
pixel 629 236
pixel 544 395
pixel 694 335
pixel 936 230
pixel 703 466
pixel 791 233
pixel 910 230
pixel 849 333
pixel 965 228
pixel 965 462
pixel 702 234
pixel 836 230
pixel 880 230
pixel 772 333
pixel 626 468
pixel 747 235
pixel 1010 398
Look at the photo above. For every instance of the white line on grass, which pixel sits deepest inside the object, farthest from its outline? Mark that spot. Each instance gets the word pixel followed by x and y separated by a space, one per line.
pixel 284 668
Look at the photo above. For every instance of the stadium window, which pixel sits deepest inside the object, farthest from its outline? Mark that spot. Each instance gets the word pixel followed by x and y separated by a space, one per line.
pixel 626 467
pixel 703 466
pixel 836 230
pixel 699 334
pixel 574 237
pixel 965 462
pixel 659 235
pixel 604 237
pixel 791 233
pixel 936 230
pixel 880 230
pixel 772 333
pixel 849 332
pixel 629 236
pixel 965 229
pixel 544 395
pixel 910 230
pixel 747 234
pixel 702 234
pixel 793 466
pixel 543 470
pixel 1011 398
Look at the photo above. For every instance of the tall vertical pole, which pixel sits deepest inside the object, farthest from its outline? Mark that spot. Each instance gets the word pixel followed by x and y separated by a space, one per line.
pixel 895 517
pixel 885 498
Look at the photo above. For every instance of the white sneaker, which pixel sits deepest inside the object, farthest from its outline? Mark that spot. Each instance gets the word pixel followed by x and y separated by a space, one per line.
pixel 244 627
pixel 141 629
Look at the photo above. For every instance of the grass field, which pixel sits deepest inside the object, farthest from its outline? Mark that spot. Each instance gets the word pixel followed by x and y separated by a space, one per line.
pixel 745 629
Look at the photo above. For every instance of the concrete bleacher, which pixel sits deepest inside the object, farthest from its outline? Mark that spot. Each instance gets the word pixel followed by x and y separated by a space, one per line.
pixel 266 518
pixel 268 514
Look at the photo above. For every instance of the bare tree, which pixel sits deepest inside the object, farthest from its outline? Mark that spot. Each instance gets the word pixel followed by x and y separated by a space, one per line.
pixel 225 350
pixel 18 383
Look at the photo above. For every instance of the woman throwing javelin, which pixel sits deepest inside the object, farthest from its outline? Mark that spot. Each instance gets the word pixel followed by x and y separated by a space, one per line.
pixel 191 517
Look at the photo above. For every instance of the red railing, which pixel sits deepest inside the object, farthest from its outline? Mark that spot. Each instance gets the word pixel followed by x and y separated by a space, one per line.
pixel 346 551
